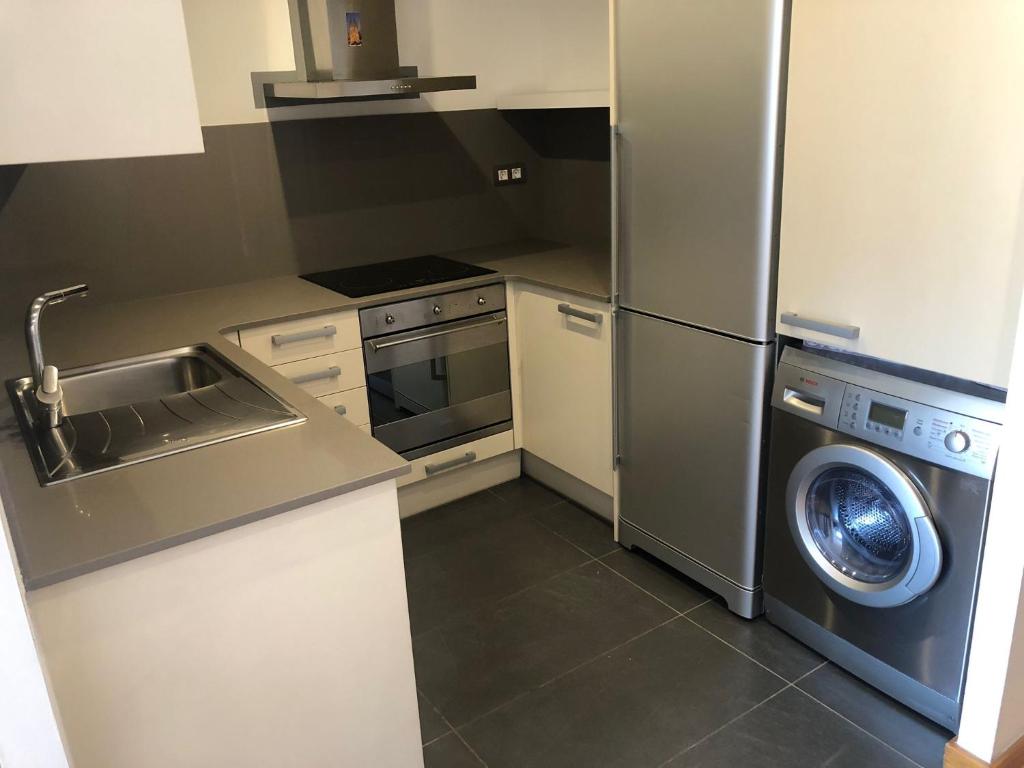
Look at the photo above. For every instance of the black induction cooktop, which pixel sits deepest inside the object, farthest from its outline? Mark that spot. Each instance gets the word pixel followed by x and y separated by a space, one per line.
pixel 371 279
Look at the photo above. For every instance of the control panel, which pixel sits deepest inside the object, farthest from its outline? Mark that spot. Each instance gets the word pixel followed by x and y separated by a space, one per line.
pixel 430 310
pixel 941 437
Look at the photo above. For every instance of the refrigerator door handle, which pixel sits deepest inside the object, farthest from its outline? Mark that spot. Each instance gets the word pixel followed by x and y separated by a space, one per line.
pixel 616 180
pixel 841 330
pixel 616 209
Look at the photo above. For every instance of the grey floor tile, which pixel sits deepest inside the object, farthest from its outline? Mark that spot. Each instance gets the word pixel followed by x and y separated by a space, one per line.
pixel 636 706
pixel 587 531
pixel 527 494
pixel 432 725
pixel 917 738
pixel 484 567
pixel 440 527
pixel 790 731
pixel 758 639
pixel 472 664
pixel 449 752
pixel 661 581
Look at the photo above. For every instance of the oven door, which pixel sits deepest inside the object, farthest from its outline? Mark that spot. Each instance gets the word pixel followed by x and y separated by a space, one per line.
pixel 444 383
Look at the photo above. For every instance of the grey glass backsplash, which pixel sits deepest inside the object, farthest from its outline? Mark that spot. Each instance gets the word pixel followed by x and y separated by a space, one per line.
pixel 290 197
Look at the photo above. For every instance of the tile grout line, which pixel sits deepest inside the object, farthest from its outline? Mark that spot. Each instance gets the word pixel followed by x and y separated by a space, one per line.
pixel 649 594
pixel 490 603
pixel 745 655
pixel 451 731
pixel 570 542
pixel 419 692
pixel 742 714
pixel 613 649
pixel 723 726
pixel 860 728
pixel 569 671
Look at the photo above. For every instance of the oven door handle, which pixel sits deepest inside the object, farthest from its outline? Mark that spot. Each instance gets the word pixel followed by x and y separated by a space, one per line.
pixel 377 346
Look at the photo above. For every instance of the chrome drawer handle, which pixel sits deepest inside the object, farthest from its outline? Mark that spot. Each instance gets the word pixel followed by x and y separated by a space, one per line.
pixel 280 339
pixel 341 410
pixel 433 469
pixel 304 378
pixel 590 317
pixel 832 329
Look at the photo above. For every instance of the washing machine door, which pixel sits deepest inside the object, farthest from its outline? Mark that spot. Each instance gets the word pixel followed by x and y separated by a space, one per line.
pixel 862 526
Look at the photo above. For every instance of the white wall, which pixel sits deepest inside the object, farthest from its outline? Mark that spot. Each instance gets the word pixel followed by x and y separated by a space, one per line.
pixel 523 46
pixel 29 734
pixel 993 714
pixel 106 78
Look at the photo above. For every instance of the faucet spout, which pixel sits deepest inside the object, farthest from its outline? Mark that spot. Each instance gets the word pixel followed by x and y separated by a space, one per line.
pixel 35 311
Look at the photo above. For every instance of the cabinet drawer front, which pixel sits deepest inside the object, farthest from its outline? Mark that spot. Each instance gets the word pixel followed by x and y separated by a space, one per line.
pixel 455 458
pixel 292 340
pixel 352 404
pixel 327 374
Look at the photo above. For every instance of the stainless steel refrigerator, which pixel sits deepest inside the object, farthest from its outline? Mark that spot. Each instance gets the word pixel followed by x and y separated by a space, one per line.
pixel 696 164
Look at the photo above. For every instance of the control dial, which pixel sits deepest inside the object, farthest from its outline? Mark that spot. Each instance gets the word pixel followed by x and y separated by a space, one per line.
pixel 437 310
pixel 389 319
pixel 481 300
pixel 957 441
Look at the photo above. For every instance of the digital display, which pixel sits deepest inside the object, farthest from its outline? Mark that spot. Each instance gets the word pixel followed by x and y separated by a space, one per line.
pixel 887 416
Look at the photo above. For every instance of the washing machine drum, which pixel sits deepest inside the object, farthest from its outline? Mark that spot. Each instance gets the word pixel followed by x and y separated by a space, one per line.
pixel 862 526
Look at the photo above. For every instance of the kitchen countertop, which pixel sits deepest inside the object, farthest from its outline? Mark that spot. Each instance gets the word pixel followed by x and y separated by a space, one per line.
pixel 93 522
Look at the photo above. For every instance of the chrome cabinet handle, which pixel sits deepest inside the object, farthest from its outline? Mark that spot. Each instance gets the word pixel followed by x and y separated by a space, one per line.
pixel 821 326
pixel 590 317
pixel 341 410
pixel 377 346
pixel 468 458
pixel 304 378
pixel 280 339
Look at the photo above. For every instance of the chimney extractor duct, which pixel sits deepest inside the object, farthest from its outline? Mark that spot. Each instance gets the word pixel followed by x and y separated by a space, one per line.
pixel 348 49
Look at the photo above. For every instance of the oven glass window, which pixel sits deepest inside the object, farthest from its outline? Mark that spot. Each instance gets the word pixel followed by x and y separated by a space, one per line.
pixel 438 383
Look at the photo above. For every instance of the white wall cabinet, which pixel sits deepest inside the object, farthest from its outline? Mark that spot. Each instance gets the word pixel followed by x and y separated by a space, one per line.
pixel 903 191
pixel 107 78
pixel 564 382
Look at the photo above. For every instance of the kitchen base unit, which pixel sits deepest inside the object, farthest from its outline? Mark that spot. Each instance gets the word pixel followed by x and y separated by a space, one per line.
pixel 281 642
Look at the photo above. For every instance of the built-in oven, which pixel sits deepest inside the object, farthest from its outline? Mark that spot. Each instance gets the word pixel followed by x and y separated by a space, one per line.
pixel 437 369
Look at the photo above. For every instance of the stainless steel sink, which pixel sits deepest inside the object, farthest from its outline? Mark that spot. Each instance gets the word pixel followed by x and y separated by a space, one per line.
pixel 128 411
pixel 126 383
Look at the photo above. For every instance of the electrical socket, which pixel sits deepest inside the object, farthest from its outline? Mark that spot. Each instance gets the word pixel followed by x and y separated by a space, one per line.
pixel 510 173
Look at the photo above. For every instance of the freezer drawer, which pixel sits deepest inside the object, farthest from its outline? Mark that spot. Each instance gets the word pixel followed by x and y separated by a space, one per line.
pixel 692 408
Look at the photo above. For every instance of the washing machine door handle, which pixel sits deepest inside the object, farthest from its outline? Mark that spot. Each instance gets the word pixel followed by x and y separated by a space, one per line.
pixel 929 562
pixel 862 526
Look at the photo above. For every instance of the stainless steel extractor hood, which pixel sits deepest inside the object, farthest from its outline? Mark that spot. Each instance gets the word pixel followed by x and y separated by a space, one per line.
pixel 348 49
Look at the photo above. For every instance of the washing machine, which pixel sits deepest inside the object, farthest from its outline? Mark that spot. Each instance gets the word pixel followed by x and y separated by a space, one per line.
pixel 878 493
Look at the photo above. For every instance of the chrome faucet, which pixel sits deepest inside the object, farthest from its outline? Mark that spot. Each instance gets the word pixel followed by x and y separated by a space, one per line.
pixel 45 377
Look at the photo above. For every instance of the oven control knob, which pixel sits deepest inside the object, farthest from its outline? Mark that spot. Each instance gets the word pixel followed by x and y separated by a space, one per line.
pixel 957 441
pixel 437 310
pixel 481 300
pixel 389 319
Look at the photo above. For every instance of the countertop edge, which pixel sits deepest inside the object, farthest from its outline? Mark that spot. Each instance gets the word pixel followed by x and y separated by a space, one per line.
pixel 124 556
pixel 574 270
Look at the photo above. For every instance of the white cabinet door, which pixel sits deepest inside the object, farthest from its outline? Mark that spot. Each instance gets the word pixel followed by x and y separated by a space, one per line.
pixel 903 182
pixel 86 80
pixel 565 382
